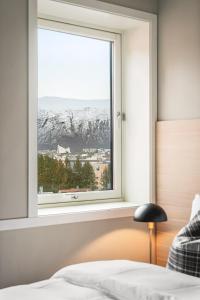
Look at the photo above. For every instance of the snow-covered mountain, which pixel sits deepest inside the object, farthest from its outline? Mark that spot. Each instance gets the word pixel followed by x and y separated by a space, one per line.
pixel 73 123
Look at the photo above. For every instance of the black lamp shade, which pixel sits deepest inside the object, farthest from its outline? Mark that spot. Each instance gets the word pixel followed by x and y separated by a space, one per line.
pixel 150 212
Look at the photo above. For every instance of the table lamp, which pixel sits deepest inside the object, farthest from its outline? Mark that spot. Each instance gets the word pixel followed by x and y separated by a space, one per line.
pixel 150 213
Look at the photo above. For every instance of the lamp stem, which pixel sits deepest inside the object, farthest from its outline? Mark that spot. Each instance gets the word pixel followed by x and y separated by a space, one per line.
pixel 150 227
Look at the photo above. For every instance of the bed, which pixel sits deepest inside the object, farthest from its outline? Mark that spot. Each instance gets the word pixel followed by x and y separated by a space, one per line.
pixel 106 280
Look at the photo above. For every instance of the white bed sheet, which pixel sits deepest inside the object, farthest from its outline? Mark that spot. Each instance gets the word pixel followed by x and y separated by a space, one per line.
pixel 106 280
pixel 52 289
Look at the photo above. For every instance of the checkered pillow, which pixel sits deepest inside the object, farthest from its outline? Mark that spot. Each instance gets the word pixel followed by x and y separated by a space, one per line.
pixel 184 255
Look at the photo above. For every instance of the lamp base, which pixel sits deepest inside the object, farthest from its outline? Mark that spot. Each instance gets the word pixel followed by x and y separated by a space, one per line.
pixel 151 228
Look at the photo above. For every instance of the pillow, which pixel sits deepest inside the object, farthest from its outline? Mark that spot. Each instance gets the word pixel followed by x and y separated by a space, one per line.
pixel 195 206
pixel 184 255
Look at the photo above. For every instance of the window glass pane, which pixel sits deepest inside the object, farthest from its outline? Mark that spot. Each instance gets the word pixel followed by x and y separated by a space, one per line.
pixel 74 113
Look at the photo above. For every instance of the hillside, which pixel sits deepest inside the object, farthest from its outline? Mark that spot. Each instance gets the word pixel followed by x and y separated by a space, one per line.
pixel 73 123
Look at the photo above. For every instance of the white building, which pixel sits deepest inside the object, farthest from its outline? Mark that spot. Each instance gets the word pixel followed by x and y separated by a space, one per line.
pixel 62 150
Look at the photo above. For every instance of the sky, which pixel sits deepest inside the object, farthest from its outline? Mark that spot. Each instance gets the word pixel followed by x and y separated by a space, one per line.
pixel 72 66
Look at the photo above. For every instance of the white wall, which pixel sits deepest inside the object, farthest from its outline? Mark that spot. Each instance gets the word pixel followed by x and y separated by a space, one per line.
pixel 29 255
pixel 179 59
pixel 13 108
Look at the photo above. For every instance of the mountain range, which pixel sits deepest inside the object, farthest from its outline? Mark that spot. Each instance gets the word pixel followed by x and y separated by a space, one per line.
pixel 73 123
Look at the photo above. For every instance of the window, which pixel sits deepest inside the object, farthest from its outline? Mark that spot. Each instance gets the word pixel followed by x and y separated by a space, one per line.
pixel 79 109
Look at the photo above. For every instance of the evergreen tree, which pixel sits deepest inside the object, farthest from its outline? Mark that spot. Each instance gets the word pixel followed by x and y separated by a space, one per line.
pixel 40 171
pixel 88 176
pixel 59 176
pixel 77 174
pixel 69 174
pixel 54 175
pixel 51 174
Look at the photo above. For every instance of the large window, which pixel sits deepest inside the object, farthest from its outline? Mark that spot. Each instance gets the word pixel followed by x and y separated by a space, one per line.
pixel 79 124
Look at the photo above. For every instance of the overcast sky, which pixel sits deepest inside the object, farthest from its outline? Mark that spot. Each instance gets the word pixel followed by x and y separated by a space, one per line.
pixel 72 66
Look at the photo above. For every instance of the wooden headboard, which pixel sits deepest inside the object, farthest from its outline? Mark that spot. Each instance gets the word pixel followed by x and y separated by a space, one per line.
pixel 178 177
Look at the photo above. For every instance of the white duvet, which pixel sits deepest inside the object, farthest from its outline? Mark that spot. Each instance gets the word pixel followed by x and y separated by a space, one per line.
pixel 106 280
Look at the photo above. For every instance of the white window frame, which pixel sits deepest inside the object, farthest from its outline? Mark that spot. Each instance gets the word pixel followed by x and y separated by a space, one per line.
pixel 115 38
pixel 83 212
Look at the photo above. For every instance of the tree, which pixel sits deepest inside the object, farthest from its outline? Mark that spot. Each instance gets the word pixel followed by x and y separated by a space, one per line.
pixel 59 176
pixel 77 174
pixel 40 171
pixel 106 178
pixel 55 175
pixel 51 174
pixel 88 176
pixel 69 174
pixel 46 166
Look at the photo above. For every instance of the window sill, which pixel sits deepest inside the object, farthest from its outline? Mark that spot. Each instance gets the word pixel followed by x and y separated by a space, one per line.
pixel 71 214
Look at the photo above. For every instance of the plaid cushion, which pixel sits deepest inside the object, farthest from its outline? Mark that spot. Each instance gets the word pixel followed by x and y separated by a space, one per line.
pixel 184 255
